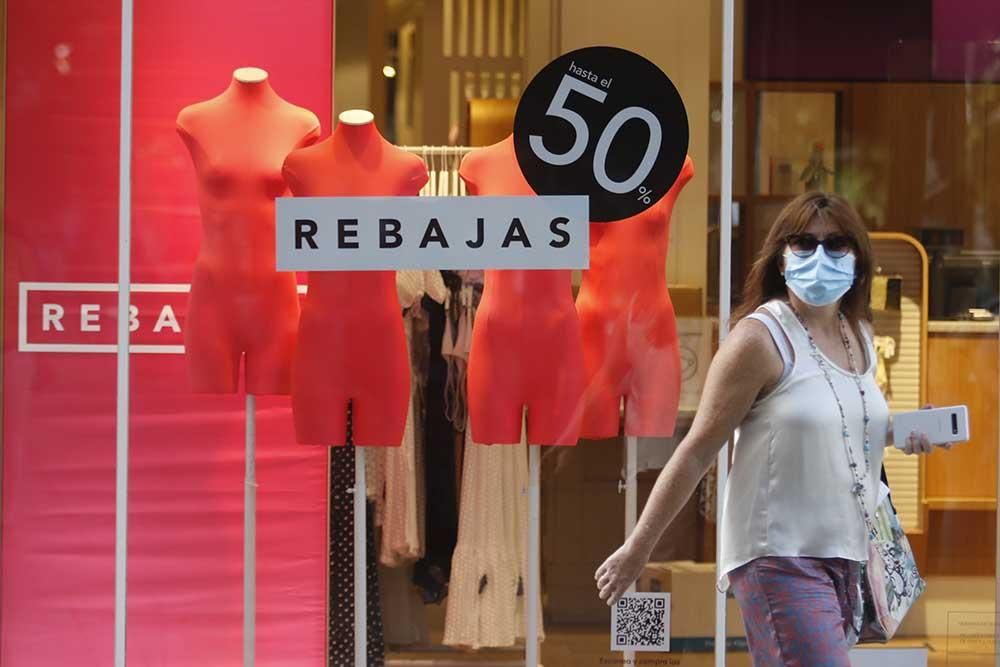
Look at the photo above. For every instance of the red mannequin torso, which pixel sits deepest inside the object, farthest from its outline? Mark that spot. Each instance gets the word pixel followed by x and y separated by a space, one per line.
pixel 629 330
pixel 239 303
pixel 526 349
pixel 352 345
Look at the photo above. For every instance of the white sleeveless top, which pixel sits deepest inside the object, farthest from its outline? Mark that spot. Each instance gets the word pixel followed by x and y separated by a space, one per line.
pixel 789 490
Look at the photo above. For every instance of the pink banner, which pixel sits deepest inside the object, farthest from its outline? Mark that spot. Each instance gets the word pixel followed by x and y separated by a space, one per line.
pixel 60 250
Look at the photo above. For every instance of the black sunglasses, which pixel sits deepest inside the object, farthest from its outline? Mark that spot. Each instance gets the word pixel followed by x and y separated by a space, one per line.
pixel 804 245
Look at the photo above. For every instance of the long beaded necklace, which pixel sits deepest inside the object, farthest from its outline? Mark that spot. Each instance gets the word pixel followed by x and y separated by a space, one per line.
pixel 890 553
pixel 858 487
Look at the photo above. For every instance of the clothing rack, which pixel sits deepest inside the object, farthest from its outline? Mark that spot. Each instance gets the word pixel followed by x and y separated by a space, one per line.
pixel 436 157
pixel 443 164
pixel 451 662
pixel 446 151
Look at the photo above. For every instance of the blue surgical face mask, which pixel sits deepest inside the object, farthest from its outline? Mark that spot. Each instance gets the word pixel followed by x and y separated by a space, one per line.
pixel 819 279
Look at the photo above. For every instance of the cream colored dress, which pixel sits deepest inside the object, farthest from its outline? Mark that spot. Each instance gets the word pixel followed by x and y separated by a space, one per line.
pixel 397 473
pixel 486 596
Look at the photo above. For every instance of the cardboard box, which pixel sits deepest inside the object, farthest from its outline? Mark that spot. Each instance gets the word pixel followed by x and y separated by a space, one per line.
pixel 692 598
pixel 656 577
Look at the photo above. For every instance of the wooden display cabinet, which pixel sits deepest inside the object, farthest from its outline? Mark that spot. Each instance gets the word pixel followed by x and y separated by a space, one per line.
pixel 960 485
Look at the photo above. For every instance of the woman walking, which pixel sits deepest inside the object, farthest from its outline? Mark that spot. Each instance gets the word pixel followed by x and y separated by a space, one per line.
pixel 796 380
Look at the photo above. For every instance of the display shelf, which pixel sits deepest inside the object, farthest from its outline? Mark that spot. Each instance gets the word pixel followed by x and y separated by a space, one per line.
pixel 961 504
pixel 963 327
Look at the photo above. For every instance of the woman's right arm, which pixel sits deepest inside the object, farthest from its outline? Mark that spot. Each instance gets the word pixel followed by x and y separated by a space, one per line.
pixel 746 363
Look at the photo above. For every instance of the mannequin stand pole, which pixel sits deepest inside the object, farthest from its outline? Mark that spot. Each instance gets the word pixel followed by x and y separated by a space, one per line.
pixel 250 535
pixel 631 505
pixel 122 352
pixel 532 588
pixel 725 267
pixel 360 552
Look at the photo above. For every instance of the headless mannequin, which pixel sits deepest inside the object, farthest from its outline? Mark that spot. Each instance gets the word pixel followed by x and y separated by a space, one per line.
pixel 526 348
pixel 239 304
pixel 352 344
pixel 629 330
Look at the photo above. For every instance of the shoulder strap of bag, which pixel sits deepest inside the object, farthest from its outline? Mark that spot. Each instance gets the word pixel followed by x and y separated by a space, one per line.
pixel 885 480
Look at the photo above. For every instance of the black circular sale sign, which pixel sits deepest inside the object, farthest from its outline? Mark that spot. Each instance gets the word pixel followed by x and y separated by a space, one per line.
pixel 602 122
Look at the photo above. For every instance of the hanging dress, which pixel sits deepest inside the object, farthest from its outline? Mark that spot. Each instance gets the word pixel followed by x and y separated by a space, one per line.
pixel 486 606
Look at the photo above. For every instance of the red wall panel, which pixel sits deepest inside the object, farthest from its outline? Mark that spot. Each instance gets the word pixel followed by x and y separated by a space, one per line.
pixel 186 474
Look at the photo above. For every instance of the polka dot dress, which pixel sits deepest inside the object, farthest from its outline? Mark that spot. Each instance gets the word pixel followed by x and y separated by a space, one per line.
pixel 342 563
pixel 486 602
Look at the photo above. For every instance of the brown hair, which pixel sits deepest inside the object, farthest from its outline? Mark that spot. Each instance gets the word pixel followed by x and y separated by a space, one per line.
pixel 765 282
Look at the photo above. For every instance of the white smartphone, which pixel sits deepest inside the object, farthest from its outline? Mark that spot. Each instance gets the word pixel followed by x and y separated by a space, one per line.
pixel 942 425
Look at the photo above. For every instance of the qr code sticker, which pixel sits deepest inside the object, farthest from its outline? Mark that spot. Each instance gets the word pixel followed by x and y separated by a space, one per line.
pixel 641 622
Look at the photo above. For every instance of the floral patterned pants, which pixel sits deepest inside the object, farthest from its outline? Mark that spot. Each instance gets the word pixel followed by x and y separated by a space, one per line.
pixel 797 611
